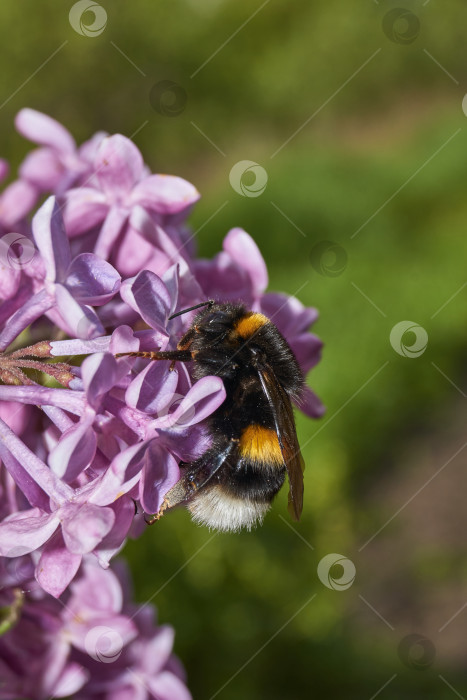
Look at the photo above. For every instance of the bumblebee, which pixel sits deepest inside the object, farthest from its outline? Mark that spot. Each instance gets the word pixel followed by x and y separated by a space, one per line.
pixel 254 440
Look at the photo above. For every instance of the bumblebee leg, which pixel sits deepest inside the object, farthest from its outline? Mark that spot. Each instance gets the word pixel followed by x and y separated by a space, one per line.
pixel 174 355
pixel 177 494
pixel 195 476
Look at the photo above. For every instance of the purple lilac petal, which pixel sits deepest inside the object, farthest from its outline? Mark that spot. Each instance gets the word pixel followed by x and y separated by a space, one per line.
pixel 4 169
pixel 84 526
pixel 142 222
pixel 91 280
pixel 75 450
pixel 59 418
pixel 42 395
pixel 34 494
pixel 43 169
pixel 127 688
pixel 98 591
pixel 71 680
pixel 164 194
pixel 10 305
pixel 288 313
pixel 10 279
pixel 126 423
pixel 246 254
pixel 16 201
pixel 134 253
pixel 122 474
pixel 51 239
pixel 307 349
pixel 170 279
pixel 124 509
pixel 57 566
pixel 17 572
pixel 148 295
pixel 161 472
pixel 184 379
pixel 152 389
pixel 42 129
pixel 54 659
pixel 166 686
pixel 77 319
pixel 35 467
pixel 118 165
pixel 175 666
pixel 26 531
pixel 116 313
pixel 150 339
pixel 123 340
pixel 99 372
pixel 156 652
pixel 89 148
pixel 117 632
pixel 203 399
pixel 223 279
pixel 33 308
pixel 111 229
pixel 310 404
pixel 35 268
pixel 186 444
pixel 15 415
pixel 85 208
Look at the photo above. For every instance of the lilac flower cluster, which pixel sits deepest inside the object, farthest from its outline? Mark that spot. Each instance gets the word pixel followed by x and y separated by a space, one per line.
pixel 97 270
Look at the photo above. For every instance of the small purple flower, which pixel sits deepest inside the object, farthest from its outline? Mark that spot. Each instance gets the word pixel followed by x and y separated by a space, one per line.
pixel 65 287
pixel 58 164
pixel 122 183
pixel 94 645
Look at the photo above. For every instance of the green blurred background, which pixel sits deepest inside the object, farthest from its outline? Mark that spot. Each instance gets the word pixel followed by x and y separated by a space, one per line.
pixel 373 92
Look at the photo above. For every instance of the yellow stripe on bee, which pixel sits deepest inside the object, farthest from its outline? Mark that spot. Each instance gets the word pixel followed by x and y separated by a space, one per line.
pixel 258 444
pixel 249 324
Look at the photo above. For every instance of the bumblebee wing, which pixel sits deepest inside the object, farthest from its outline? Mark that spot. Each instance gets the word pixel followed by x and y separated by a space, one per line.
pixel 284 421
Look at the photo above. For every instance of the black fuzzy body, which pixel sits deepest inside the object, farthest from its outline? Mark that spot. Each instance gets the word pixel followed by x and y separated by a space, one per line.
pixel 217 349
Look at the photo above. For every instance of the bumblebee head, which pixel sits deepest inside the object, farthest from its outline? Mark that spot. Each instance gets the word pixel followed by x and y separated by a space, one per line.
pixel 216 322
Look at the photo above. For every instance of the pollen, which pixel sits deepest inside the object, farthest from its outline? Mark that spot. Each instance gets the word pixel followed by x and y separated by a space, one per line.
pixel 249 324
pixel 258 444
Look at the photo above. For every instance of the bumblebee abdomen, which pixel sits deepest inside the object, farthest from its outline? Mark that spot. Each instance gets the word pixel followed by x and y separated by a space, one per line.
pixel 219 510
pixel 244 487
pixel 239 496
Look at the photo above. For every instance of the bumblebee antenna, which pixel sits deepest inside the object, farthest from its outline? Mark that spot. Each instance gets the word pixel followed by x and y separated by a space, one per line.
pixel 192 308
